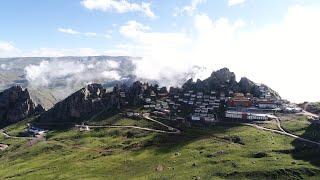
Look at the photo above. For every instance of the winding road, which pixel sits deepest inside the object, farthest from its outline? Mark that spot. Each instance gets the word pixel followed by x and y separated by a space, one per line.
pixel 6 135
pixel 282 132
pixel 171 130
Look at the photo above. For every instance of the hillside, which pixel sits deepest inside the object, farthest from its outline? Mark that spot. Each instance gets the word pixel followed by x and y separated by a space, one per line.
pixel 199 152
pixel 100 133
pixel 313 107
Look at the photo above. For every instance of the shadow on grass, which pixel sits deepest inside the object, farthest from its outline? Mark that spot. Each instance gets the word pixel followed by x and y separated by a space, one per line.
pixel 57 124
pixel 307 151
pixel 166 143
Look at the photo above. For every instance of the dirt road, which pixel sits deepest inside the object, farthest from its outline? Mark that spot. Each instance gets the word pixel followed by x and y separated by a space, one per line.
pixel 171 130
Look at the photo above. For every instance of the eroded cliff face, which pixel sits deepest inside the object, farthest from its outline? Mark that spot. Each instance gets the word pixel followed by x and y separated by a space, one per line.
pixel 16 105
pixel 83 103
pixel 92 100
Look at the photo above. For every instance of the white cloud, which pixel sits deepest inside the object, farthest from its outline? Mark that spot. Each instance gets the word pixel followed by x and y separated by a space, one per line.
pixel 114 75
pixel 120 6
pixel 68 31
pixel 283 55
pixel 90 34
pixel 74 73
pixel 3 67
pixel 7 49
pixel 108 36
pixel 157 47
pixel 189 9
pixel 133 29
pixel 235 2
pixel 85 34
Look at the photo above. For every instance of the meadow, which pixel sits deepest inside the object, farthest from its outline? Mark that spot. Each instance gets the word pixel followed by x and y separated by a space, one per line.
pixel 213 152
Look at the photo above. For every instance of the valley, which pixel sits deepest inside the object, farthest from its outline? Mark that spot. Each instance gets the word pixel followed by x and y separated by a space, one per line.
pixel 212 129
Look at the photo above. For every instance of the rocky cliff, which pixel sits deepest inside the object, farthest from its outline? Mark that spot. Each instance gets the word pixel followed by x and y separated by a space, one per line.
pixel 94 99
pixel 84 103
pixel 16 104
pixel 224 81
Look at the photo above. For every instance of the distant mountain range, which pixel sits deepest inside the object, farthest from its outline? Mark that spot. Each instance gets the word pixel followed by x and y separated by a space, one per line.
pixel 51 79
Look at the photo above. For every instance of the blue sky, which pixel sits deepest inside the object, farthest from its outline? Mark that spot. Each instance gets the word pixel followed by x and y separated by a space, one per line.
pixel 266 40
pixel 32 24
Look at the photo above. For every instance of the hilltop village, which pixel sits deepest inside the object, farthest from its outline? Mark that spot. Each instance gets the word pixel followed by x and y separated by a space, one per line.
pixel 218 98
pixel 198 106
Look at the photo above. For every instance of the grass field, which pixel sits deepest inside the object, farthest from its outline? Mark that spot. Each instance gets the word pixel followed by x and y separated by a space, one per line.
pixel 206 153
pixel 301 126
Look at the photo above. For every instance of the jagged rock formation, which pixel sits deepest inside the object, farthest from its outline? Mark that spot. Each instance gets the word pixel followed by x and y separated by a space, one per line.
pixel 221 80
pixel 84 103
pixel 224 81
pixel 248 86
pixel 16 104
pixel 93 99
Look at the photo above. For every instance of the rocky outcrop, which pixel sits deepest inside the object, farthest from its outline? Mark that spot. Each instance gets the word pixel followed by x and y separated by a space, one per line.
pixel 84 103
pixel 221 81
pixel 248 86
pixel 93 99
pixel 16 104
pixel 224 81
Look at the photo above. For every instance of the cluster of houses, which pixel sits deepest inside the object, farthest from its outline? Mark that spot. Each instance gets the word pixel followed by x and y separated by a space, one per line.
pixel 185 105
pixel 249 116
pixel 204 107
pixel 197 106
pixel 247 107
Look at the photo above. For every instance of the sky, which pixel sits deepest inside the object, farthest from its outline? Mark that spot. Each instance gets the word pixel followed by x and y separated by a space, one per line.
pixel 272 42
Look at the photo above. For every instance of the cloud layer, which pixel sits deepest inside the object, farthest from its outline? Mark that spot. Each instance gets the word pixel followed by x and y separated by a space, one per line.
pixel 68 31
pixel 71 73
pixel 7 48
pixel 120 6
pixel 285 54
pixel 236 2
pixel 189 9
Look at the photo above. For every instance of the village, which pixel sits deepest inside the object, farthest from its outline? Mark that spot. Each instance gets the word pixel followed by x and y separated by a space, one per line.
pixel 200 107
pixel 193 107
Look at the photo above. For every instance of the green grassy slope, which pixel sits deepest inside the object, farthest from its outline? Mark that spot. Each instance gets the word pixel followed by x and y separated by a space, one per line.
pixel 132 154
pixel 301 126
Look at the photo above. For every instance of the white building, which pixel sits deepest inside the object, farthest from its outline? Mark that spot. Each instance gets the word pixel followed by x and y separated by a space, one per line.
pixel 195 118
